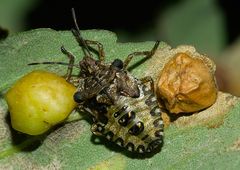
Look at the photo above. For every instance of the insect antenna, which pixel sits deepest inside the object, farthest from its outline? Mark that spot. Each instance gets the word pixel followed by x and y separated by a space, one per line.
pixel 76 32
pixel 57 63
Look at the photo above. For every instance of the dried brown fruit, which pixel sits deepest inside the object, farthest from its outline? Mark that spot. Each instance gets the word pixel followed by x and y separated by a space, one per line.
pixel 187 84
pixel 166 119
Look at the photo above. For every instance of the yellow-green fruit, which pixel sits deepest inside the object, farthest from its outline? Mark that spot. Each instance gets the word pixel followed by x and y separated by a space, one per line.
pixel 39 101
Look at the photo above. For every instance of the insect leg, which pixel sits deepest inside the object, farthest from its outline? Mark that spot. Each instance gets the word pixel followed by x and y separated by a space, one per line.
pixel 97 129
pixel 71 62
pixel 85 43
pixel 145 53
pixel 100 48
pixel 150 80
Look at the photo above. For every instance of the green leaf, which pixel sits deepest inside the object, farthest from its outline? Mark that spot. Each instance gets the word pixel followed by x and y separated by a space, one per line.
pixel 13 13
pixel 210 142
pixel 199 23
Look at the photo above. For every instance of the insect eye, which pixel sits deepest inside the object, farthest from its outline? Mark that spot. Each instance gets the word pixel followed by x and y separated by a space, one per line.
pixel 78 97
pixel 117 63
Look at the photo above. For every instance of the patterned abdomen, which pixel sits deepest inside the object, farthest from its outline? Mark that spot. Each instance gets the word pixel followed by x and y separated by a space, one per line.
pixel 134 123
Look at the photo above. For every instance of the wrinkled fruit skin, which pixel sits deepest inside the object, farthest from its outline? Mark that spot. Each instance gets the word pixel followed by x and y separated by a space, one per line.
pixel 38 101
pixel 186 84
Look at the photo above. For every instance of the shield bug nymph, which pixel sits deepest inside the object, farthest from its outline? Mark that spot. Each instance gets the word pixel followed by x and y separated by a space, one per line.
pixel 133 123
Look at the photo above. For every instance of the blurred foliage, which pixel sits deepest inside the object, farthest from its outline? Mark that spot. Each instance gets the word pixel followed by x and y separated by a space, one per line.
pixel 194 22
pixel 13 13
pixel 228 69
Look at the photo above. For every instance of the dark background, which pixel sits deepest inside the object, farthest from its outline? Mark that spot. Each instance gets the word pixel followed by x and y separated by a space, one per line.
pixel 112 15
pixel 131 16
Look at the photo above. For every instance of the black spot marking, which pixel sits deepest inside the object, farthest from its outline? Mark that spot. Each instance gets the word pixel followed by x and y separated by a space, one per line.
pixel 151 146
pixel 158 133
pixel 116 114
pixel 130 147
pixel 146 90
pixel 154 144
pixel 100 128
pixel 148 150
pixel 156 111
pixel 145 137
pixel 119 141
pixel 109 135
pixel 158 123
pixel 136 129
pixel 141 149
pixel 103 119
pixel 151 100
pixel 127 118
pixel 102 109
pixel 97 107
